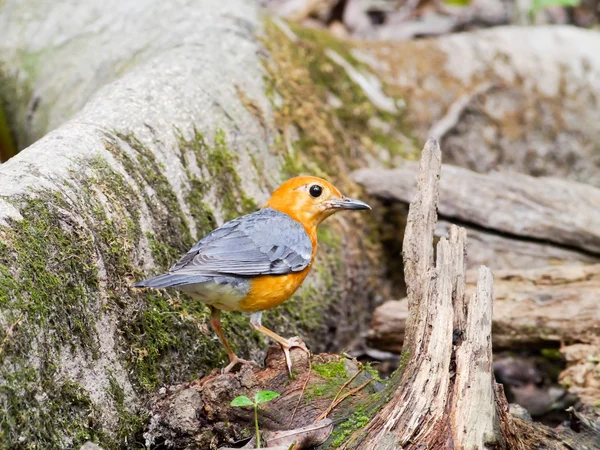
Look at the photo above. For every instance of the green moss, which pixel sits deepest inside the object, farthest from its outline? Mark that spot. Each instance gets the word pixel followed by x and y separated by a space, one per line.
pixel 356 410
pixel 52 301
pixel 202 214
pixel 164 332
pixel 40 411
pixel 131 423
pixel 305 308
pixel 47 304
pixel 553 354
pixel 54 264
pixel 259 168
pixel 320 390
pixel 349 130
pixel 334 376
pixel 326 40
pixel 372 371
pixel 358 420
pixel 62 417
pixel 362 408
pixel 219 163
pixel 171 227
pixel 404 358
pixel 332 370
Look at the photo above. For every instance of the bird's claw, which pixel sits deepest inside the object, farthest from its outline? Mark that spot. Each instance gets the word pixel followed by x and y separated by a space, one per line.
pixel 291 343
pixel 297 342
pixel 235 361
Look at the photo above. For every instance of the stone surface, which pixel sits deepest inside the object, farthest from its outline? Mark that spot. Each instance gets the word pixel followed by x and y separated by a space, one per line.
pixel 153 123
pixel 538 116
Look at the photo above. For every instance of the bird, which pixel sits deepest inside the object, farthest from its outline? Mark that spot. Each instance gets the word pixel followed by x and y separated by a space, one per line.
pixel 257 261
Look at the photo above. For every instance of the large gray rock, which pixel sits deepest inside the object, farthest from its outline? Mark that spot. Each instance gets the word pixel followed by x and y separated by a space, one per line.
pixel 508 98
pixel 155 123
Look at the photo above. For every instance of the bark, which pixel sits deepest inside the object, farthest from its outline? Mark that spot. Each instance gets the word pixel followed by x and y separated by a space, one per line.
pixel 157 122
pixel 538 308
pixel 582 374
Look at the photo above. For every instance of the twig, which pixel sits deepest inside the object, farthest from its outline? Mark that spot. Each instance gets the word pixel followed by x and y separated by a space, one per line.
pixel 303 389
pixel 328 410
pixel 341 399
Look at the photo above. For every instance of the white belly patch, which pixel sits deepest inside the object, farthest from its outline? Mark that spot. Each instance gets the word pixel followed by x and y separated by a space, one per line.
pixel 223 296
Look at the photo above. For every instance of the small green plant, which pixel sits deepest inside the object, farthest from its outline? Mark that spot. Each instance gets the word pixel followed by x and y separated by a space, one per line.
pixel 259 397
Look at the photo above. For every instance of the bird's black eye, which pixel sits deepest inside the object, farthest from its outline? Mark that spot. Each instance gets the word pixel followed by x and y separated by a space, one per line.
pixel 315 190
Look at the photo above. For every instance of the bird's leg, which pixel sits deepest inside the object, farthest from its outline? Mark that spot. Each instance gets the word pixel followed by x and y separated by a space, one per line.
pixel 286 344
pixel 215 323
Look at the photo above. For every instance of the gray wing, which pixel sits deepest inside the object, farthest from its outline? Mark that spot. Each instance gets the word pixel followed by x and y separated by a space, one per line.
pixel 267 242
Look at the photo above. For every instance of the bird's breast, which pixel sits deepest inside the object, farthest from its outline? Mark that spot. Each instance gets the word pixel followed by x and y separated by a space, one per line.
pixel 268 291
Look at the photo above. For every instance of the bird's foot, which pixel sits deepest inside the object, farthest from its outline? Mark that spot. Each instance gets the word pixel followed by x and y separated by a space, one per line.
pixel 234 362
pixel 289 344
pixel 297 342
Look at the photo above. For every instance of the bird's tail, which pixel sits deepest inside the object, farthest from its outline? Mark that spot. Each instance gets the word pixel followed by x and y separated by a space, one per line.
pixel 170 280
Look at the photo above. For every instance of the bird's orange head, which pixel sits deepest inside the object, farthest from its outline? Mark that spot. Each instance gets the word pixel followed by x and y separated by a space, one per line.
pixel 310 200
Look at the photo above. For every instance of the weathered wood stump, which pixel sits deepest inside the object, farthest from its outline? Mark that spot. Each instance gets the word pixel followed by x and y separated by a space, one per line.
pixel 447 397
pixel 539 235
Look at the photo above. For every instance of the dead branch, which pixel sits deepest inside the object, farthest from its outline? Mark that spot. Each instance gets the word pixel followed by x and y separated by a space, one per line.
pixel 500 251
pixel 536 308
pixel 553 210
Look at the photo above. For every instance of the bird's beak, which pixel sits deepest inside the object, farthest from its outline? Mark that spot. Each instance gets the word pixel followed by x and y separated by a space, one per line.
pixel 346 203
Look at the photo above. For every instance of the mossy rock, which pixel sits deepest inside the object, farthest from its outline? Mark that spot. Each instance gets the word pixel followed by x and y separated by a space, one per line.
pixel 121 191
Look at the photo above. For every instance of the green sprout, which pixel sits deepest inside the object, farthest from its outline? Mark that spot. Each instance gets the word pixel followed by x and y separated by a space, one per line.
pixel 259 397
